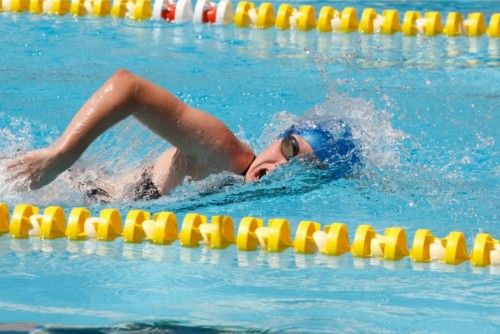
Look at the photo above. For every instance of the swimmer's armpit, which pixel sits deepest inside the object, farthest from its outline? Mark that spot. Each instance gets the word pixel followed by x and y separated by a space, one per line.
pixel 94 193
pixel 143 188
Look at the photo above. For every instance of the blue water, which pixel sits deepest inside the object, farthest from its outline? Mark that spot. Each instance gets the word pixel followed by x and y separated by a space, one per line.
pixel 424 112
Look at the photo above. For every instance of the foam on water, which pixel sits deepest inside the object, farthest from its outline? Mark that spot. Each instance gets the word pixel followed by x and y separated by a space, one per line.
pixel 105 163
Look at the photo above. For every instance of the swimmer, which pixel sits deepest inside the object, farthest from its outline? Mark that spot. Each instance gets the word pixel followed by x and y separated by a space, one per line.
pixel 202 144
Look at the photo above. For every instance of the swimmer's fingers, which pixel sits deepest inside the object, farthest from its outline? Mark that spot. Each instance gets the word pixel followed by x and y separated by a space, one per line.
pixel 18 180
pixel 19 184
pixel 11 177
pixel 7 157
pixel 12 172
pixel 15 167
pixel 21 174
pixel 12 162
pixel 38 168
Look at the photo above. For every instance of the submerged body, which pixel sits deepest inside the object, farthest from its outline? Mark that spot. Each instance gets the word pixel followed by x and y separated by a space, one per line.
pixel 202 144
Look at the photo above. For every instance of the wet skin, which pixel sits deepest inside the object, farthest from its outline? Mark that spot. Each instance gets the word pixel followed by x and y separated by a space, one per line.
pixel 202 144
pixel 272 157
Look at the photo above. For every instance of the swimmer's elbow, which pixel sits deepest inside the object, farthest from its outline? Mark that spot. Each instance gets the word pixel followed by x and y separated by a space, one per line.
pixel 122 74
pixel 126 81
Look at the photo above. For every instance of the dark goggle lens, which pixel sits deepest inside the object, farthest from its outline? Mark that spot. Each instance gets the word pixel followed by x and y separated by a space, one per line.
pixel 289 147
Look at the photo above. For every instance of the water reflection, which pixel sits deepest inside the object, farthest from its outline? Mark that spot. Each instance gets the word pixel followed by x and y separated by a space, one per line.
pixel 159 253
pixel 21 246
pixel 278 260
pixel 132 251
pixel 303 261
pixel 249 259
pixel 333 262
pixel 217 257
pixel 189 255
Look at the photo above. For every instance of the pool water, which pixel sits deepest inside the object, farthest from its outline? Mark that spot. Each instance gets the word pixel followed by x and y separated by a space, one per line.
pixel 422 109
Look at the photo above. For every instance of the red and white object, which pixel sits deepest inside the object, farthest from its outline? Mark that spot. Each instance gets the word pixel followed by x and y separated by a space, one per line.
pixel 182 11
pixel 209 12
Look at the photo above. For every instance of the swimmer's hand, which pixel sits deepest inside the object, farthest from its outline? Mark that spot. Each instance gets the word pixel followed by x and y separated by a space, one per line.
pixel 34 169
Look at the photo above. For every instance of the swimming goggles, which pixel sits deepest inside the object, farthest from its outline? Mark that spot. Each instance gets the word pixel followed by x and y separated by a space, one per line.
pixel 289 147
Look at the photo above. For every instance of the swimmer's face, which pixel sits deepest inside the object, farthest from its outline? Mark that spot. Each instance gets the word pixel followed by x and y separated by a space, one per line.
pixel 276 155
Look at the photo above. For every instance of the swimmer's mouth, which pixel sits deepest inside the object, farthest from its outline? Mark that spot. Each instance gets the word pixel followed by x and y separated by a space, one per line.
pixel 261 173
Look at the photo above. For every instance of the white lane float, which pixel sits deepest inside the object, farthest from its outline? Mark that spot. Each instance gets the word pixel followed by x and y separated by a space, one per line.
pixel 204 11
pixel 210 12
pixel 181 11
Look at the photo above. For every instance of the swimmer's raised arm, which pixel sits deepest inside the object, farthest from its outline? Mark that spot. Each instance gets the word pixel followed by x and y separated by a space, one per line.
pixel 203 145
pixel 206 144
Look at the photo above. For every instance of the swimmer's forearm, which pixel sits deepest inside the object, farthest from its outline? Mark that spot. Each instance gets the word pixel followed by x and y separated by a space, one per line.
pixel 197 134
pixel 106 107
pixel 117 99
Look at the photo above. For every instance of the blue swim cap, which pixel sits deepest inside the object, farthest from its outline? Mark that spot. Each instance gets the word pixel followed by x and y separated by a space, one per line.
pixel 339 152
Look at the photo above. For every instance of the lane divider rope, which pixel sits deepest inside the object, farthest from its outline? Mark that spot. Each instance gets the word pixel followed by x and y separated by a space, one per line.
pixel 287 17
pixel 161 229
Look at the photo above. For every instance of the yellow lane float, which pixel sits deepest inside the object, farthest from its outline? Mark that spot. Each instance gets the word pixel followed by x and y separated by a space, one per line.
pixel 431 24
pixel 141 10
pixel 371 22
pixel 389 22
pixel 276 236
pixel 106 227
pixel 219 234
pixel 474 25
pixel 333 240
pixel 77 8
pixel 242 14
pixel 57 7
pixel 486 251
pixel 449 250
pixel 347 22
pixel 133 231
pixel 119 9
pixel 454 24
pixel 35 6
pixel 390 246
pixel 161 229
pixel 27 222
pixel 304 238
pixel 247 15
pixel 101 8
pixel 21 225
pixel 75 229
pixel 366 22
pixel 409 26
pixel 494 27
pixel 190 235
pixel 325 19
pixel 247 239
pixel 15 6
pixel 282 21
pixel 306 18
pixel 263 17
pixel 4 219
pixel 290 18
